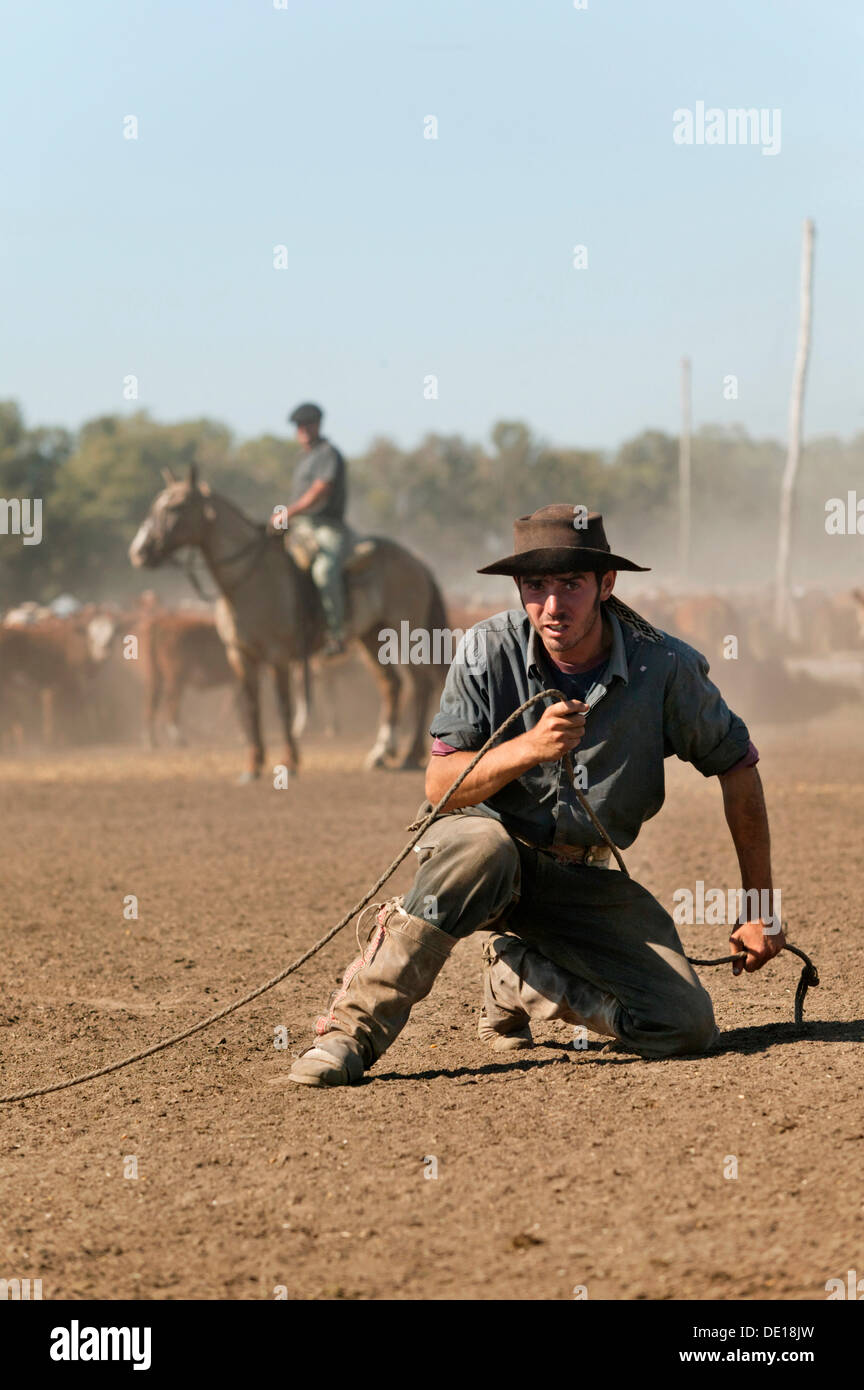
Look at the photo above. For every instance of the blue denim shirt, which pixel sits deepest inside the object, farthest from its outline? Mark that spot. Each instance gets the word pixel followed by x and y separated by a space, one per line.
pixel 653 699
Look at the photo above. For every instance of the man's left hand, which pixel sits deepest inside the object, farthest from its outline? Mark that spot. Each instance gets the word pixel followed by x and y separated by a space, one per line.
pixel 762 941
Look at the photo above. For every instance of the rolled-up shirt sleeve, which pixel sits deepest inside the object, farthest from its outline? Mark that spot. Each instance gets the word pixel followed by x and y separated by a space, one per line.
pixel 463 719
pixel 324 466
pixel 698 725
pixel 750 759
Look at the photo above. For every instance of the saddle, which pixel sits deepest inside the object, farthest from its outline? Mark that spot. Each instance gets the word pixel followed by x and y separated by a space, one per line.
pixel 301 545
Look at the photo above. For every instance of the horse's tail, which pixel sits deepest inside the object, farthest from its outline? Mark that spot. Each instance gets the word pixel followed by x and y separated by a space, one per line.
pixel 436 614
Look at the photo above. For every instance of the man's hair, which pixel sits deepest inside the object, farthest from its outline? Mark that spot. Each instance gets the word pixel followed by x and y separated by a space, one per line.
pixel 599 574
pixel 614 605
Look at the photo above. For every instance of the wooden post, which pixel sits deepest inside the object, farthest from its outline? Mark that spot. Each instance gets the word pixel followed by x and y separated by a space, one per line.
pixel 684 476
pixel 796 415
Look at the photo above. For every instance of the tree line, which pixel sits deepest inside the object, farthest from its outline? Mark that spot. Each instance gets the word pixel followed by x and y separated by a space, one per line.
pixel 451 499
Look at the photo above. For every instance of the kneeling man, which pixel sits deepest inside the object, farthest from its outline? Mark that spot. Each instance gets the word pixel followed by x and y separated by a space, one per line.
pixel 514 854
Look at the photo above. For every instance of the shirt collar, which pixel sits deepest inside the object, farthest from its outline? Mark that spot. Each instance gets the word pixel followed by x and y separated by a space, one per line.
pixel 616 664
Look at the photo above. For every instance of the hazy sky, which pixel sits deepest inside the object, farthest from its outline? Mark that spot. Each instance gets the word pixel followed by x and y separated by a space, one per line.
pixel 407 257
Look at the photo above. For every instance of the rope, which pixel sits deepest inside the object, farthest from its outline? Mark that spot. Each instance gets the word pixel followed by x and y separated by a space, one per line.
pixel 301 960
pixel 809 974
pixel 419 828
pixel 633 619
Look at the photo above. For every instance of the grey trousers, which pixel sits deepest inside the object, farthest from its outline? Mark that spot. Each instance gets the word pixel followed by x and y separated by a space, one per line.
pixel 331 540
pixel 594 923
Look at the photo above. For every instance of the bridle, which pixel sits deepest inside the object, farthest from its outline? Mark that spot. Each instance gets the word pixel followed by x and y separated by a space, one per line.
pixel 254 546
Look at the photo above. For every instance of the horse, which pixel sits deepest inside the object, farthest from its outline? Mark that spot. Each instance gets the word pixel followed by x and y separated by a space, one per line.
pixel 269 612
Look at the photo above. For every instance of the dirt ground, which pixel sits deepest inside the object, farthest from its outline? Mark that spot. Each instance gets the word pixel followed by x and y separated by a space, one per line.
pixel 555 1168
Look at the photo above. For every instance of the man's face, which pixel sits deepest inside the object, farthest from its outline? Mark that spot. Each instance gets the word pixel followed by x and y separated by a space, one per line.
pixel 308 434
pixel 564 608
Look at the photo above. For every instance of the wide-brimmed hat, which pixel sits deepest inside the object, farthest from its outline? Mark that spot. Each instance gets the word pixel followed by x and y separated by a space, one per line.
pixel 559 538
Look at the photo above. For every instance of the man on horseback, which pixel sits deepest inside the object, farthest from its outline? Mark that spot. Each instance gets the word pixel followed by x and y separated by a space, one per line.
pixel 516 855
pixel 317 507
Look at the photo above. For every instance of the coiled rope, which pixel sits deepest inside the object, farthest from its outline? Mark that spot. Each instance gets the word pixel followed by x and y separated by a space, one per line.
pixel 418 828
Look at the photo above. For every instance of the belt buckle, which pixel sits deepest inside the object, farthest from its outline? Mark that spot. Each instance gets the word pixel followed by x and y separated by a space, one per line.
pixel 569 854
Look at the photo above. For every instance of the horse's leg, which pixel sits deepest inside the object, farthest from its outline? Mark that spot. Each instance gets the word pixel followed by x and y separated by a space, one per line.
pixel 46 696
pixel 250 717
pixel 302 708
pixel 172 707
pixel 328 684
pixel 389 687
pixel 154 697
pixel 285 701
pixel 423 682
pixel 331 712
pixel 332 727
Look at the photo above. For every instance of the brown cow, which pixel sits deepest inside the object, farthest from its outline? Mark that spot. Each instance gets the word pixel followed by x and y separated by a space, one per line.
pixel 179 650
pixel 54 660
pixel 823 621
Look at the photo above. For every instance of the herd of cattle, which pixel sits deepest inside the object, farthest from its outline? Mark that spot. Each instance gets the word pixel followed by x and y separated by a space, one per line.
pixel 73 673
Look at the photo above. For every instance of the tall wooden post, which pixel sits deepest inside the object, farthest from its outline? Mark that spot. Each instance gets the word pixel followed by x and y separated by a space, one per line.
pixel 796 415
pixel 684 476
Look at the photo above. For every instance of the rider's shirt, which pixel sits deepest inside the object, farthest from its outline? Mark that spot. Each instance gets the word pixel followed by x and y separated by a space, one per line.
pixel 324 463
pixel 650 700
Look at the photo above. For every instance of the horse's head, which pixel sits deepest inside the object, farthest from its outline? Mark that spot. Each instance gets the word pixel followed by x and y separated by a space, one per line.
pixel 178 517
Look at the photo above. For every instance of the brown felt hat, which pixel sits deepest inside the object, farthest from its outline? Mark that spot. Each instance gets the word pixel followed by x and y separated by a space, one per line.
pixel 557 539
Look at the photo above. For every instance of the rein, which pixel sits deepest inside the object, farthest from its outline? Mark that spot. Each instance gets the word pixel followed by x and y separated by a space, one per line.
pixel 256 544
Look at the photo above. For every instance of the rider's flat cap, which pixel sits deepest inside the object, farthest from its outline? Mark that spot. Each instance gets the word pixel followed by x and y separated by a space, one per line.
pixel 306 414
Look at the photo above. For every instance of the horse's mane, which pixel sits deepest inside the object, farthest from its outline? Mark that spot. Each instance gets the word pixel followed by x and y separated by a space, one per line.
pixel 238 511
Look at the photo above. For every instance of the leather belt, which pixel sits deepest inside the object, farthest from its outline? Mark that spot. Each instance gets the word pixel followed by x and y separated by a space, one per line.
pixel 573 854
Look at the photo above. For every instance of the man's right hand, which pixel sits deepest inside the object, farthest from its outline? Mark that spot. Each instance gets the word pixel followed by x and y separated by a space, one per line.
pixel 277 521
pixel 559 730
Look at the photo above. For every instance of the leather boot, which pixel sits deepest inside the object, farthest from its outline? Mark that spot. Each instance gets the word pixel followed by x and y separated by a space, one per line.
pixel 398 966
pixel 506 1028
pixel 520 984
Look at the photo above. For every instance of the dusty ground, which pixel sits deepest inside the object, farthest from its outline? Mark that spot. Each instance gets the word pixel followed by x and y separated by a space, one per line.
pixel 554 1169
